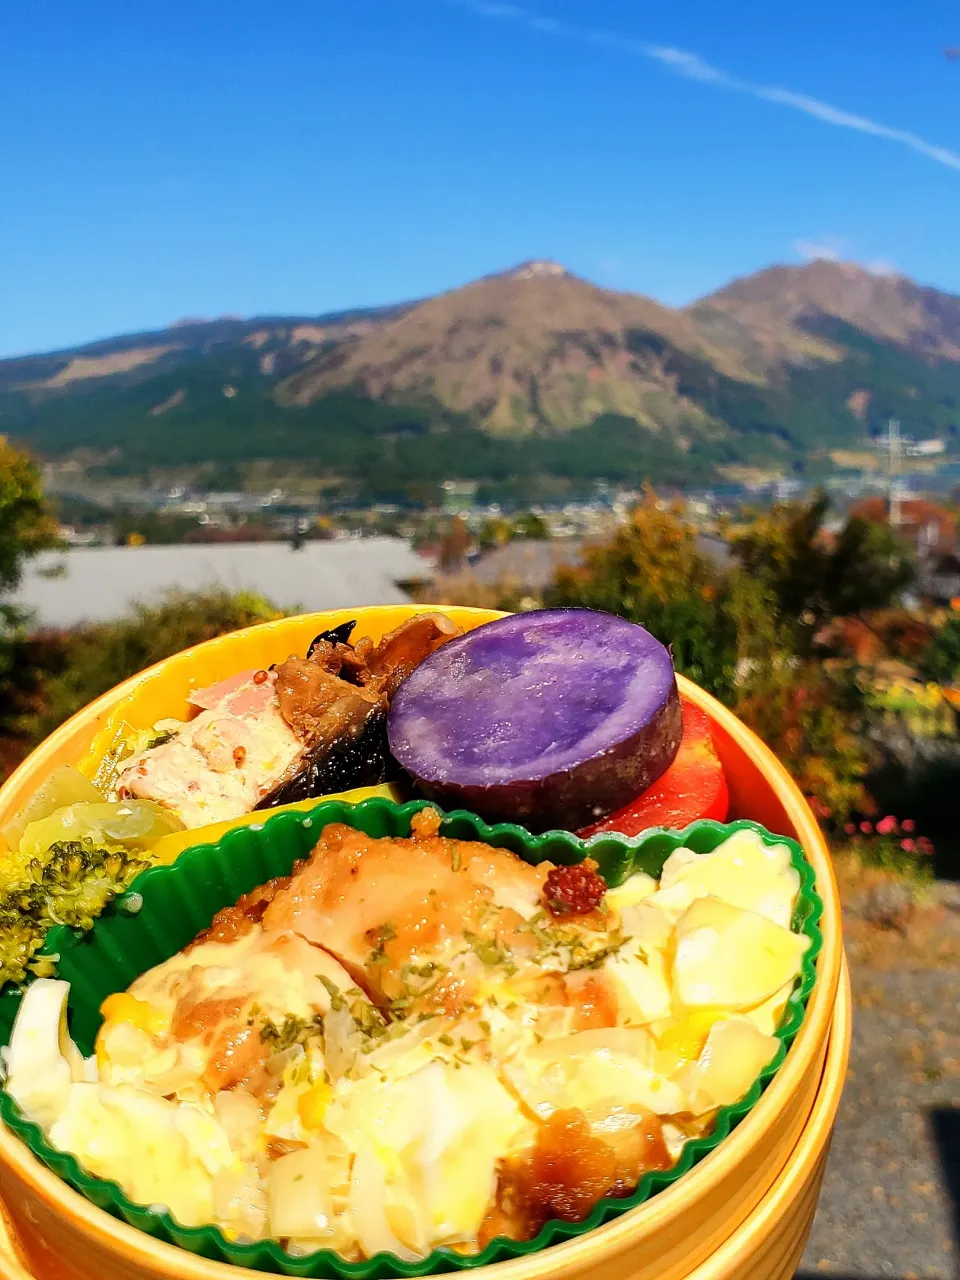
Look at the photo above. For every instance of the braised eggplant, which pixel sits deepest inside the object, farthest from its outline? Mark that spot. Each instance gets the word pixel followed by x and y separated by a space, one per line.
pixel 336 635
pixel 359 758
pixel 306 727
pixel 336 700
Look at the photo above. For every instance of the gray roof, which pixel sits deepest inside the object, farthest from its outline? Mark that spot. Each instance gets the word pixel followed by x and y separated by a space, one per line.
pixel 530 564
pixel 100 583
pixel 526 562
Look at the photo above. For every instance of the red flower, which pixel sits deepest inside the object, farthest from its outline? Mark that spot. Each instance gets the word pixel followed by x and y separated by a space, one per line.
pixel 850 828
pixel 908 845
pixel 886 826
pixel 925 846
pixel 866 828
pixel 908 824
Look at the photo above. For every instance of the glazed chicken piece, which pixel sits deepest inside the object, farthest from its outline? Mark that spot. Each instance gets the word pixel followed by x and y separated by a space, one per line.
pixel 574 1162
pixel 388 907
pixel 429 924
pixel 213 1016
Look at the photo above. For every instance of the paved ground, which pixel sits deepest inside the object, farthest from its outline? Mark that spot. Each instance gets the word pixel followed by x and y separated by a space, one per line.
pixel 891 1198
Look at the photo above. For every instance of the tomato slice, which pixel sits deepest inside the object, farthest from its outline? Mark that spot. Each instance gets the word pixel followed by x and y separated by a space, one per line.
pixel 693 787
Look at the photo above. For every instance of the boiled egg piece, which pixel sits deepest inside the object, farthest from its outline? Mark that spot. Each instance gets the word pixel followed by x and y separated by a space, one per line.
pixel 730 958
pixel 474 1121
pixel 592 1068
pixel 635 889
pixel 300 1204
pixel 742 871
pixel 437 1136
pixel 641 985
pixel 240 1202
pixel 766 1017
pixel 734 1055
pixel 160 1152
pixel 42 1061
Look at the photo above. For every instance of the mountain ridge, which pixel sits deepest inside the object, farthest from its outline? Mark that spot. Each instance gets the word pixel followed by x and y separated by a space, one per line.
pixel 522 350
pixel 187 333
pixel 889 306
pixel 773 369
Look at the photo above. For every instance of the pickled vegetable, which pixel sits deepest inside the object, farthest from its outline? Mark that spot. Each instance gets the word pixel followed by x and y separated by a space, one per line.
pixel 131 824
pixel 65 786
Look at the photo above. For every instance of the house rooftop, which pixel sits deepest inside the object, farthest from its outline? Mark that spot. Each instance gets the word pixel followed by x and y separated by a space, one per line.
pixel 96 584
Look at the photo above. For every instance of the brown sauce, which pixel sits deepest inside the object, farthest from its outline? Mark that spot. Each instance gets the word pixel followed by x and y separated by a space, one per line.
pixel 569 1169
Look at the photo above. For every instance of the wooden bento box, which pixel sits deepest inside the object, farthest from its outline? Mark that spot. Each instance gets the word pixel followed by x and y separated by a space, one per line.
pixel 744 1211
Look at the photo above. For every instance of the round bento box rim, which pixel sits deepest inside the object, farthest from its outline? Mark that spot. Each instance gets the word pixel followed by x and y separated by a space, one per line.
pixel 269 1257
pixel 27 1172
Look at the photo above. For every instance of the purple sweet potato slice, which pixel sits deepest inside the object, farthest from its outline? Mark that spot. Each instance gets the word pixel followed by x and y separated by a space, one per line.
pixel 551 719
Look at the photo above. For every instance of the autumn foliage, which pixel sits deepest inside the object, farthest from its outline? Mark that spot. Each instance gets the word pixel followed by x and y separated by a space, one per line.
pixel 747 631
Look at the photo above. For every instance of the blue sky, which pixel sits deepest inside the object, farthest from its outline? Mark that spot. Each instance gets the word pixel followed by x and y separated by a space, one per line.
pixel 164 159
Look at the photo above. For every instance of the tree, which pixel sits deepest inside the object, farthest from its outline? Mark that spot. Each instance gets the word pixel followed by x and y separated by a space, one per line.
pixel 815 578
pixel 530 525
pixel 940 661
pixel 653 572
pixel 27 663
pixel 26 525
pixel 730 631
pixel 868 568
pixel 454 545
pixel 495 531
pixel 94 658
pixel 812 717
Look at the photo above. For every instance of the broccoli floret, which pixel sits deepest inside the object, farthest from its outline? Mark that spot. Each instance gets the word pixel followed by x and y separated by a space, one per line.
pixel 79 880
pixel 72 887
pixel 21 937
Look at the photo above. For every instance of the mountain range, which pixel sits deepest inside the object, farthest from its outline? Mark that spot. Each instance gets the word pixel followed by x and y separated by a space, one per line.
pixel 531 376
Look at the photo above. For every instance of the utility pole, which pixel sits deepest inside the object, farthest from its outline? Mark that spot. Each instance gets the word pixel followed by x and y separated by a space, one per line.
pixel 893 487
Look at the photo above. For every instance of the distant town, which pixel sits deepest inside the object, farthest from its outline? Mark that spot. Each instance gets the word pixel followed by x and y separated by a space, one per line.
pixel 96 512
pixel 458 540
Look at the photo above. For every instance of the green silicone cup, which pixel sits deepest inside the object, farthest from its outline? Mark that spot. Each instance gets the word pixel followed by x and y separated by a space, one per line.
pixel 167 906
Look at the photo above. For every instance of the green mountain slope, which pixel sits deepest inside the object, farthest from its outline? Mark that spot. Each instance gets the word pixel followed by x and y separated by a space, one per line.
pixel 527 375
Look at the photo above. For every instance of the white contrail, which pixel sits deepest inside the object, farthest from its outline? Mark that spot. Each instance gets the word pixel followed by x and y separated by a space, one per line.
pixel 693 67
